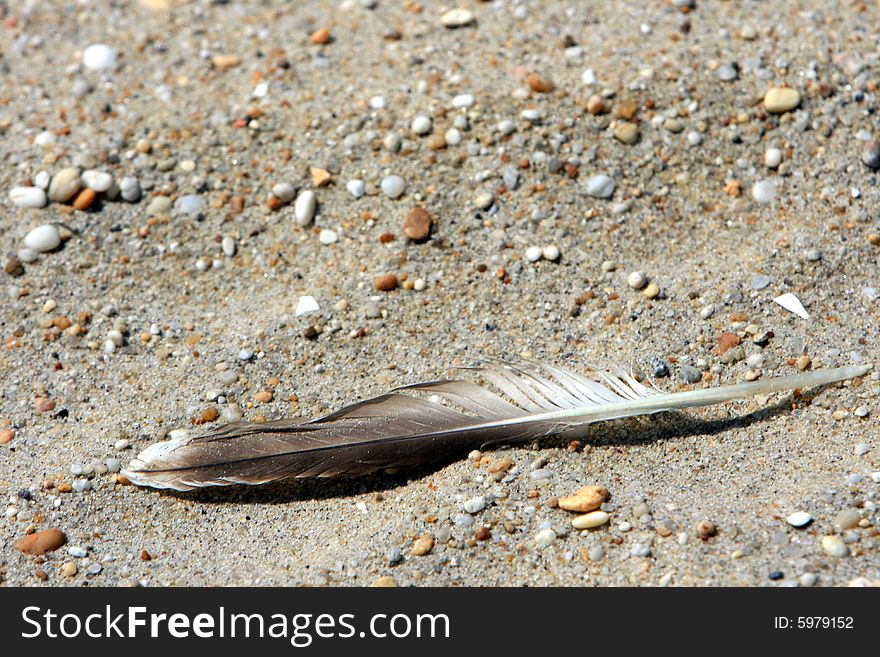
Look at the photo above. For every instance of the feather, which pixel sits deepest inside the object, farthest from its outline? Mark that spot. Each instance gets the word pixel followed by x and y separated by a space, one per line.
pixel 401 430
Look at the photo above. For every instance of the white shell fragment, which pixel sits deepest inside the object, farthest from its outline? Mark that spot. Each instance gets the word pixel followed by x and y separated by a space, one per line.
pixel 306 305
pixel 799 519
pixel 792 304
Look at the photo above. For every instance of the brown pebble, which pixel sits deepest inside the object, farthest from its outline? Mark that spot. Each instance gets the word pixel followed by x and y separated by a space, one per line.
pixel 501 465
pixel 539 83
pixel 84 199
pixel 726 341
pixel 874 239
pixel 225 62
pixel 588 498
pixel 482 534
pixel 42 542
pixel 6 436
pixel 422 545
pixel 263 397
pixel 320 177
pixel 65 487
pixel 595 105
pixel 237 203
pixel 61 322
pixel 41 575
pixel 14 267
pixel 145 556
pixel 386 282
pixel 310 333
pixel 417 224
pixel 384 582
pixel 320 37
pixel 44 405
pixel 706 530
pixel 122 480
pixel 209 414
pixel 273 202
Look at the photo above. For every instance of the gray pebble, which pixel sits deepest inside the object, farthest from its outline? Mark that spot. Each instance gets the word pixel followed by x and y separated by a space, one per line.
pixel 187 204
pixel 601 186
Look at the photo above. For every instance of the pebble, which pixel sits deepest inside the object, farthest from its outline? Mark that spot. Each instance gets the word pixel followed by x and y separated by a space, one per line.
pixel 189 204
pixel 871 154
pixel 452 137
pixel 383 582
pixel 846 519
pixel 463 100
pixel 41 542
pixel 159 205
pixel 77 552
pixel 637 280
pixel 27 197
pixel 690 374
pixel 130 189
pixel 228 246
pixel 834 546
pixel 763 191
pixel 69 569
pixel 601 186
pixel 551 253
pixel 356 188
pixel 651 291
pixel 457 18
pixel 393 186
pixel 475 505
pixel 392 142
pixel 284 192
pixel 694 138
pixel 6 436
pixel 808 579
pixel 799 519
pixel 484 200
pixel 99 57
pixel 626 132
pixel 417 224
pixel 386 282
pixel 760 281
pixel 421 125
pixel 773 157
pixel 861 411
pixel 100 181
pixel 588 498
pixel 231 413
pixel 64 185
pixel 43 238
pixel 596 553
pixel 422 545
pixel 781 99
pixel 304 208
pixel 727 72
pixel 328 236
pixel 544 538
pixel 590 520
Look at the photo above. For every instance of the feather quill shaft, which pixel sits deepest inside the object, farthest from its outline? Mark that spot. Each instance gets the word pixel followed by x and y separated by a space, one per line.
pixel 399 430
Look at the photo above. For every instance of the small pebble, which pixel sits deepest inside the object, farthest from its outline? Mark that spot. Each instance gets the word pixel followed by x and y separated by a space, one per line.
pixel 763 191
pixel 871 154
pixel 99 57
pixel 356 188
pixel 534 253
pixel 189 204
pixel 417 224
pixel 551 253
pixel 834 546
pixel 799 519
pixel 64 185
pixel 43 239
pixel 130 189
pixel 393 186
pixel 781 99
pixel 27 197
pixel 600 186
pixel 590 520
pixel 544 538
pixel 100 181
pixel 637 280
pixel 772 158
pixel 421 125
pixel 304 208
pixel 475 505
pixel 328 236
pixel 457 18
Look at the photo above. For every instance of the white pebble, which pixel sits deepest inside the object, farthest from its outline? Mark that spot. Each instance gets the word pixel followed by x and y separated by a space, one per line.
pixel 393 186
pixel 453 137
pixel 551 253
pixel 457 18
pixel 355 187
pixel 304 209
pixel 43 238
pixel 328 236
pixel 42 179
pixel 229 247
pixel 799 519
pixel 544 538
pixel 130 189
pixel 463 100
pixel 773 158
pixel 421 125
pixel 98 57
pixel 707 311
pixel 121 444
pixel 637 280
pixel 834 546
pixel 694 138
pixel 99 181
pixel 534 253
pixel 27 197
pixel 475 505
pixel 590 520
pixel 284 192
pixel 763 191
pixel 419 285
pixel 601 186
pixel 306 304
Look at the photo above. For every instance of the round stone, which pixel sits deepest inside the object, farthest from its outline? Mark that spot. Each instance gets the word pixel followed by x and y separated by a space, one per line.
pixel 393 186
pixel 304 209
pixel 392 142
pixel 159 205
pixel 637 280
pixel 834 546
pixel 64 185
pixel 773 158
pixel 356 188
pixel 189 204
pixel 601 186
pixel 43 238
pixel 475 505
pixel 417 224
pixel 27 197
pixel 229 246
pixel 484 200
pixel 284 192
pixel 626 132
pixel 130 189
pixel 99 181
pixel 763 191
pixel 452 137
pixel 99 57
pixel 534 253
pixel 328 236
pixel 457 18
pixel 421 125
pixel 799 519
pixel 781 99
pixel 727 72
pixel 871 154
pixel 551 253
pixel 463 100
